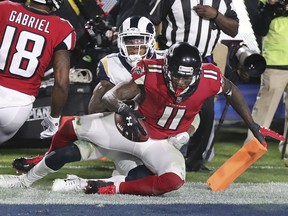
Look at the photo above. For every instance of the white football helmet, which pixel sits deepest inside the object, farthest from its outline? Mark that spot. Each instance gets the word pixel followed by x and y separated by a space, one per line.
pixel 136 33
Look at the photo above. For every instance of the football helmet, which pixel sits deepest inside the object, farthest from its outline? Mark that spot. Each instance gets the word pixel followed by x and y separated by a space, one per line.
pixel 53 4
pixel 135 34
pixel 183 61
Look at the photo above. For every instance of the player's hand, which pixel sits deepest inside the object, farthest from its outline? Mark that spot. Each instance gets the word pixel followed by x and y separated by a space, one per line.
pixel 132 104
pixel 257 133
pixel 50 126
pixel 179 140
pixel 261 132
pixel 131 119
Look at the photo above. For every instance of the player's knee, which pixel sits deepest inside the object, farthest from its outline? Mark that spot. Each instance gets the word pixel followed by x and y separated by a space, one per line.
pixel 168 182
pixel 67 130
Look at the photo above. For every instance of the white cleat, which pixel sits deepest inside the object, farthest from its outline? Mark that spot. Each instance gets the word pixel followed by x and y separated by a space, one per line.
pixel 72 183
pixel 12 181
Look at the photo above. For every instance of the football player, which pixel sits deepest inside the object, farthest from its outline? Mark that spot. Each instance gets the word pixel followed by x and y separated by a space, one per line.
pixel 30 38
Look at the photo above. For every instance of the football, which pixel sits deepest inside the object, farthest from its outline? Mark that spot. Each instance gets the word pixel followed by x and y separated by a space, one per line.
pixel 132 135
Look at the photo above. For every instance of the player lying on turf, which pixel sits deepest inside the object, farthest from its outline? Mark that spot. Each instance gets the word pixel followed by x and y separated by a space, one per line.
pixel 174 90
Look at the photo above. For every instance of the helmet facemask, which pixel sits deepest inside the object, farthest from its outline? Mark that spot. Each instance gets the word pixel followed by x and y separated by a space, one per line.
pixel 136 43
pixel 189 79
pixel 182 70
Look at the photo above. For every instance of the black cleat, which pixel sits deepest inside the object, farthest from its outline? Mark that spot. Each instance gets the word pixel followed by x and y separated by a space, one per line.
pixel 23 165
pixel 95 186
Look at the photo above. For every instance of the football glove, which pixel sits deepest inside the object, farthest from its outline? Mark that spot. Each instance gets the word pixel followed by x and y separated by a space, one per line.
pixel 50 126
pixel 261 132
pixel 132 104
pixel 179 140
pixel 132 127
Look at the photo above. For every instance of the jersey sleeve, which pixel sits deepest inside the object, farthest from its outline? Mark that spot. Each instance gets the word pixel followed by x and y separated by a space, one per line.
pixel 67 37
pixel 102 70
pixel 214 78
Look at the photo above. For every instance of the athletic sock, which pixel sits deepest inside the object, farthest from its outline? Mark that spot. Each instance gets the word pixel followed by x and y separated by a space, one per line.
pixel 37 172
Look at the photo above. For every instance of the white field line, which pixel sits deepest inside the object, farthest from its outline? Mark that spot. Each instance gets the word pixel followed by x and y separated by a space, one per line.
pixel 190 193
pixel 110 167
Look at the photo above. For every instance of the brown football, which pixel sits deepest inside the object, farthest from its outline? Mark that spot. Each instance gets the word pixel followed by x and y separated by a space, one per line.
pixel 132 135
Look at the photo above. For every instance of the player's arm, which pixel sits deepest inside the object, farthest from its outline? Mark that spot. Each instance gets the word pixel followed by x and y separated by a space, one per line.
pixel 114 98
pixel 61 68
pixel 95 104
pixel 237 101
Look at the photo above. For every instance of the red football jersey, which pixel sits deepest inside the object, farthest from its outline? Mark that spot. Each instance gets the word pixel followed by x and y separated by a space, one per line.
pixel 27 41
pixel 165 116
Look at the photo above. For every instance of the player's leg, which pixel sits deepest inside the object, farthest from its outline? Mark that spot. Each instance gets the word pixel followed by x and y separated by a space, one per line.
pixel 11 120
pixel 49 164
pixel 169 169
pixel 15 109
pixel 64 136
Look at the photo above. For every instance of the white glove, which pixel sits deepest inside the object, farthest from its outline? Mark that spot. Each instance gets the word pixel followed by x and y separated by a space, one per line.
pixel 50 126
pixel 179 140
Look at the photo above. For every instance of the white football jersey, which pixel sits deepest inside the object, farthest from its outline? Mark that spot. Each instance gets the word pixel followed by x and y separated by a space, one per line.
pixel 115 69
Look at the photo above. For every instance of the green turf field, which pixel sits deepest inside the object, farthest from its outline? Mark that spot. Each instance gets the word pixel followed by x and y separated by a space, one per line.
pixel 269 168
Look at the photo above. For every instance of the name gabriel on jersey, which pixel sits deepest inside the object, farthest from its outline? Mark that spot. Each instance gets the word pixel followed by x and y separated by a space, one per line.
pixel 29 21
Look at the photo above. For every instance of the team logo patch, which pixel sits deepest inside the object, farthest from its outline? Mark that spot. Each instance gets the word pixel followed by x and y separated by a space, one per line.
pixel 137 70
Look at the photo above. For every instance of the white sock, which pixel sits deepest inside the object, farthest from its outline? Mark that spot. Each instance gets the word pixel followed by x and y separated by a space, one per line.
pixel 37 172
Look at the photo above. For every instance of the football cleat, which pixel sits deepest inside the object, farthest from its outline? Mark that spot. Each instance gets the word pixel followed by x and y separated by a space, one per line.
pixel 111 189
pixel 12 181
pixel 72 183
pixel 23 165
pixel 100 187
